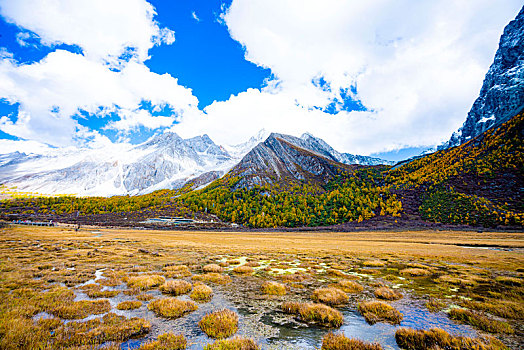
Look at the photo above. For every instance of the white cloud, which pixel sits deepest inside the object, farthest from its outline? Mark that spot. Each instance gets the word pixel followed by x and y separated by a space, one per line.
pixel 195 17
pixel 102 28
pixel 417 65
pixel 52 91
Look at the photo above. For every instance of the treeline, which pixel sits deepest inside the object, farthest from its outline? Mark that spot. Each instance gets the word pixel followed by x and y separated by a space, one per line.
pixel 355 195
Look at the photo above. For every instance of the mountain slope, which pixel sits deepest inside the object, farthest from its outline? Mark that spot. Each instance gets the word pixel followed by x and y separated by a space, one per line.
pixel 502 93
pixel 285 159
pixel 164 161
pixel 480 182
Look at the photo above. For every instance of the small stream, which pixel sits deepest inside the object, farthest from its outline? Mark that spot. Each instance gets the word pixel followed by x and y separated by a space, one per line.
pixel 260 318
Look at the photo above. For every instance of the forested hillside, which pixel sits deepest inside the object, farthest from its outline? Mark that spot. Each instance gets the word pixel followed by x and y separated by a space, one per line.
pixel 480 183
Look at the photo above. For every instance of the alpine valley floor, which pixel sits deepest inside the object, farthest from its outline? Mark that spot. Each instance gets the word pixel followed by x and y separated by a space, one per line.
pixel 140 289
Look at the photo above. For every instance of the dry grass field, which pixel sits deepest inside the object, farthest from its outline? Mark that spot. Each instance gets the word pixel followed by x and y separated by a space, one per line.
pixel 52 275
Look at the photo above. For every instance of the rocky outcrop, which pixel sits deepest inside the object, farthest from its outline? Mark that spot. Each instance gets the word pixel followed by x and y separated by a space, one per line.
pixel 502 93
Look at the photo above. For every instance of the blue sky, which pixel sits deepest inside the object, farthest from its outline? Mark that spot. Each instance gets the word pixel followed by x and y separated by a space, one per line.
pixel 389 79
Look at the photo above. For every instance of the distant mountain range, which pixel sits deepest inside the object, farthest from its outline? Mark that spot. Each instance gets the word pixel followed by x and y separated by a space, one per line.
pixel 165 161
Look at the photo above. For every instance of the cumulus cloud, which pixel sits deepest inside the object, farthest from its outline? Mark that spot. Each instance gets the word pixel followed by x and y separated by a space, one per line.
pixel 63 84
pixel 103 29
pixel 51 93
pixel 417 67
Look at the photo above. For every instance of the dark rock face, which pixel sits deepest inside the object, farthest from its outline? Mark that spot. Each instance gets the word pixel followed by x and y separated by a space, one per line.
pixel 502 93
pixel 284 158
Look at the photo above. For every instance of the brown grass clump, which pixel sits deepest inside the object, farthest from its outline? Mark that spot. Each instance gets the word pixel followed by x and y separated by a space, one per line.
pixel 144 297
pixel 510 281
pixel 252 264
pixel 129 305
pixel 415 272
pixel 333 341
pixel 95 291
pixel 201 292
pixel 436 338
pixel 176 271
pixel 109 282
pixel 298 276
pixel 213 268
pixel 233 262
pixel 501 308
pixel 378 311
pixel 243 270
pixel 335 273
pixel 387 293
pixel 235 343
pixel 168 341
pixel 273 288
pixel 315 313
pixel 374 263
pixel 171 307
pixel 330 296
pixel 81 309
pixel 176 287
pixel 219 324
pixel 213 277
pixel 145 282
pixel 479 321
pixel 435 305
pixel 349 286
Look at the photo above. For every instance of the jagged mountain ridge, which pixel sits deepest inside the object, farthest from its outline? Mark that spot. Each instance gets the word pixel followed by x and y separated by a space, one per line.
pixel 502 93
pixel 288 159
pixel 165 161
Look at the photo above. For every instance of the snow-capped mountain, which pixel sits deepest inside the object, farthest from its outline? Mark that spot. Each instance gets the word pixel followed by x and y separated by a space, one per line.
pixel 163 161
pixel 502 94
pixel 240 150
pixel 321 147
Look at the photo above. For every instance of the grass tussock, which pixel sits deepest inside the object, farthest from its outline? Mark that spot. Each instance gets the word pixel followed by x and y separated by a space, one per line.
pixel 168 341
pixel 235 343
pixel 172 307
pixel 219 324
pixel 315 313
pixel 378 311
pixel 176 271
pixel 144 297
pixel 386 293
pixel 508 280
pixel 212 268
pixel 436 338
pixel 81 309
pixel 349 286
pixel 435 305
pixel 95 291
pixel 243 270
pixel 415 272
pixel 176 287
pixel 273 288
pixel 213 277
pixel 374 263
pixel 479 321
pixel 145 282
pixel 129 305
pixel 501 308
pixel 23 333
pixel 201 292
pixel 330 296
pixel 333 341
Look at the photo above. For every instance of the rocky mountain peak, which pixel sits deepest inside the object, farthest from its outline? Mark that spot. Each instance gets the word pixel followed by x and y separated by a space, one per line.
pixel 502 94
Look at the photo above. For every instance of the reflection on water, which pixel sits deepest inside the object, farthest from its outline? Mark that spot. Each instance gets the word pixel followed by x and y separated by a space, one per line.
pixel 262 320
